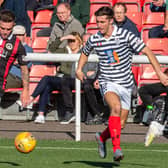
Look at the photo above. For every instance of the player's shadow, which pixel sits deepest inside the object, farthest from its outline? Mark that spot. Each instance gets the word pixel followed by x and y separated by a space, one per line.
pixel 9 163
pixel 95 164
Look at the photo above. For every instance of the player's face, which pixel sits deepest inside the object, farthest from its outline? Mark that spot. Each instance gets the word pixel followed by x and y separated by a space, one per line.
pixel 6 29
pixel 119 13
pixel 104 24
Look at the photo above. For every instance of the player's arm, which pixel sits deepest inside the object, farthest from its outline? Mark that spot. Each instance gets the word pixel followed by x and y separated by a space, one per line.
pixel 25 81
pixel 82 61
pixel 163 77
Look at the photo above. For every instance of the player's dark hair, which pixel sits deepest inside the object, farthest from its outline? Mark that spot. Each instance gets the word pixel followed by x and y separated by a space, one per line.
pixel 7 16
pixel 105 11
pixel 120 4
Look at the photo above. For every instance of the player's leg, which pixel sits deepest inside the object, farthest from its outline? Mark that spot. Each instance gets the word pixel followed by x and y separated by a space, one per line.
pixel 113 100
pixel 124 116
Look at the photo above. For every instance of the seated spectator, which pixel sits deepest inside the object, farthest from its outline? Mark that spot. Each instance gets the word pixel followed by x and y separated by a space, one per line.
pixel 68 84
pixel 50 83
pixel 18 7
pixel 80 10
pixel 121 20
pixel 14 79
pixel 162 30
pixel 147 94
pixel 65 25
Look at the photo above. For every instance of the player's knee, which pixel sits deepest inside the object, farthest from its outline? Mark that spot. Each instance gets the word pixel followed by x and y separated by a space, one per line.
pixel 116 110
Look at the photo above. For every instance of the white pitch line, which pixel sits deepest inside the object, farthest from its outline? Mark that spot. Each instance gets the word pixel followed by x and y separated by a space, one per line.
pixel 87 149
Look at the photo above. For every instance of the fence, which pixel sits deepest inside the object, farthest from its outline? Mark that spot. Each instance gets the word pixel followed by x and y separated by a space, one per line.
pixel 46 57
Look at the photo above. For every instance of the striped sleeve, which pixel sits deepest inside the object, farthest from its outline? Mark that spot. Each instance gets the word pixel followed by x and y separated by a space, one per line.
pixel 88 47
pixel 135 42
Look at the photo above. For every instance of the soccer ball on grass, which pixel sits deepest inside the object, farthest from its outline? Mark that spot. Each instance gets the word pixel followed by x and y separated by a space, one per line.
pixel 25 142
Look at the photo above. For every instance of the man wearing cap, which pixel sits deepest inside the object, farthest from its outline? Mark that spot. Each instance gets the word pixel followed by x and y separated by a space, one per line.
pixel 14 79
pixel 11 49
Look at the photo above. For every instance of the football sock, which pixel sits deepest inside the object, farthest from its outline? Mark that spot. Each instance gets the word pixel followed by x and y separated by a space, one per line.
pixel 115 131
pixel 105 135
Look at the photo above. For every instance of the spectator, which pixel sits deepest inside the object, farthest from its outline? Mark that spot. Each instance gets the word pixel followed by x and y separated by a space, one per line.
pixel 121 20
pixel 67 24
pixel 14 79
pixel 162 30
pixel 147 94
pixel 68 84
pixel 50 83
pixel 18 7
pixel 12 49
pixel 80 10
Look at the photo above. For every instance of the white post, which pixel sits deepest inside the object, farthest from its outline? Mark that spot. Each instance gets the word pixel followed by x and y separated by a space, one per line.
pixel 78 108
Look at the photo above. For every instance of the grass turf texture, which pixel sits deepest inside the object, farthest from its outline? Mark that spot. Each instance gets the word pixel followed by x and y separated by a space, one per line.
pixel 71 154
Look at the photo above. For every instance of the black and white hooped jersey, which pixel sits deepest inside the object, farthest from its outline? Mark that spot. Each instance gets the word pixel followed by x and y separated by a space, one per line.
pixel 115 55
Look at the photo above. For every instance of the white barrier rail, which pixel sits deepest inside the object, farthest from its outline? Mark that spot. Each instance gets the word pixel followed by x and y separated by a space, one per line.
pixel 47 57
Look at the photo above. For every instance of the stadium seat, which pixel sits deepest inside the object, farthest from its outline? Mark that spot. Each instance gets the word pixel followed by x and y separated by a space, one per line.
pixel 95 5
pixel 35 29
pixel 146 6
pixel 91 28
pixel 147 74
pixel 40 44
pixel 158 45
pixel 38 71
pixel 154 18
pixel 132 5
pixel 151 20
pixel 145 32
pixel 36 74
pixel 43 16
pixel 136 17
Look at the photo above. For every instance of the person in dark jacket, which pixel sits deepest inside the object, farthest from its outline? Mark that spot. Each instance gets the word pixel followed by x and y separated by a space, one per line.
pixel 18 7
pixel 121 20
pixel 162 30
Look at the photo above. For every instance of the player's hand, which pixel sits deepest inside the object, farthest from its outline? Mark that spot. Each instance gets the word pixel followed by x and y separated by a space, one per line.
pixel 25 97
pixel 164 79
pixel 96 84
pixel 80 75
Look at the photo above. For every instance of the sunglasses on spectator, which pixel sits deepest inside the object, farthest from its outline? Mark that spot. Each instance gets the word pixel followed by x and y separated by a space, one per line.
pixel 71 41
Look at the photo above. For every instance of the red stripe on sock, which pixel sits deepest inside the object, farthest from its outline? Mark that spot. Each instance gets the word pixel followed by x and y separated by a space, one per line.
pixel 115 131
pixel 105 135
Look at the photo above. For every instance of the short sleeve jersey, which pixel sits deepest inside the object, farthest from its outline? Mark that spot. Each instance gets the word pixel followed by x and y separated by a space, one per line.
pixel 10 50
pixel 115 55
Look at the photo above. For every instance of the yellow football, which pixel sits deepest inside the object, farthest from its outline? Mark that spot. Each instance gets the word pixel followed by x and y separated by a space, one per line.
pixel 25 142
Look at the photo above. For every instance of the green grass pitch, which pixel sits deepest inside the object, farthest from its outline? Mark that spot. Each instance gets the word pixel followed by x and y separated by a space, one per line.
pixel 71 154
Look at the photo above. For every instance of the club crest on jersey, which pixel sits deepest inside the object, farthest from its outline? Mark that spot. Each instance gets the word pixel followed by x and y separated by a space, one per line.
pixel 9 46
pixel 117 40
pixel 112 57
